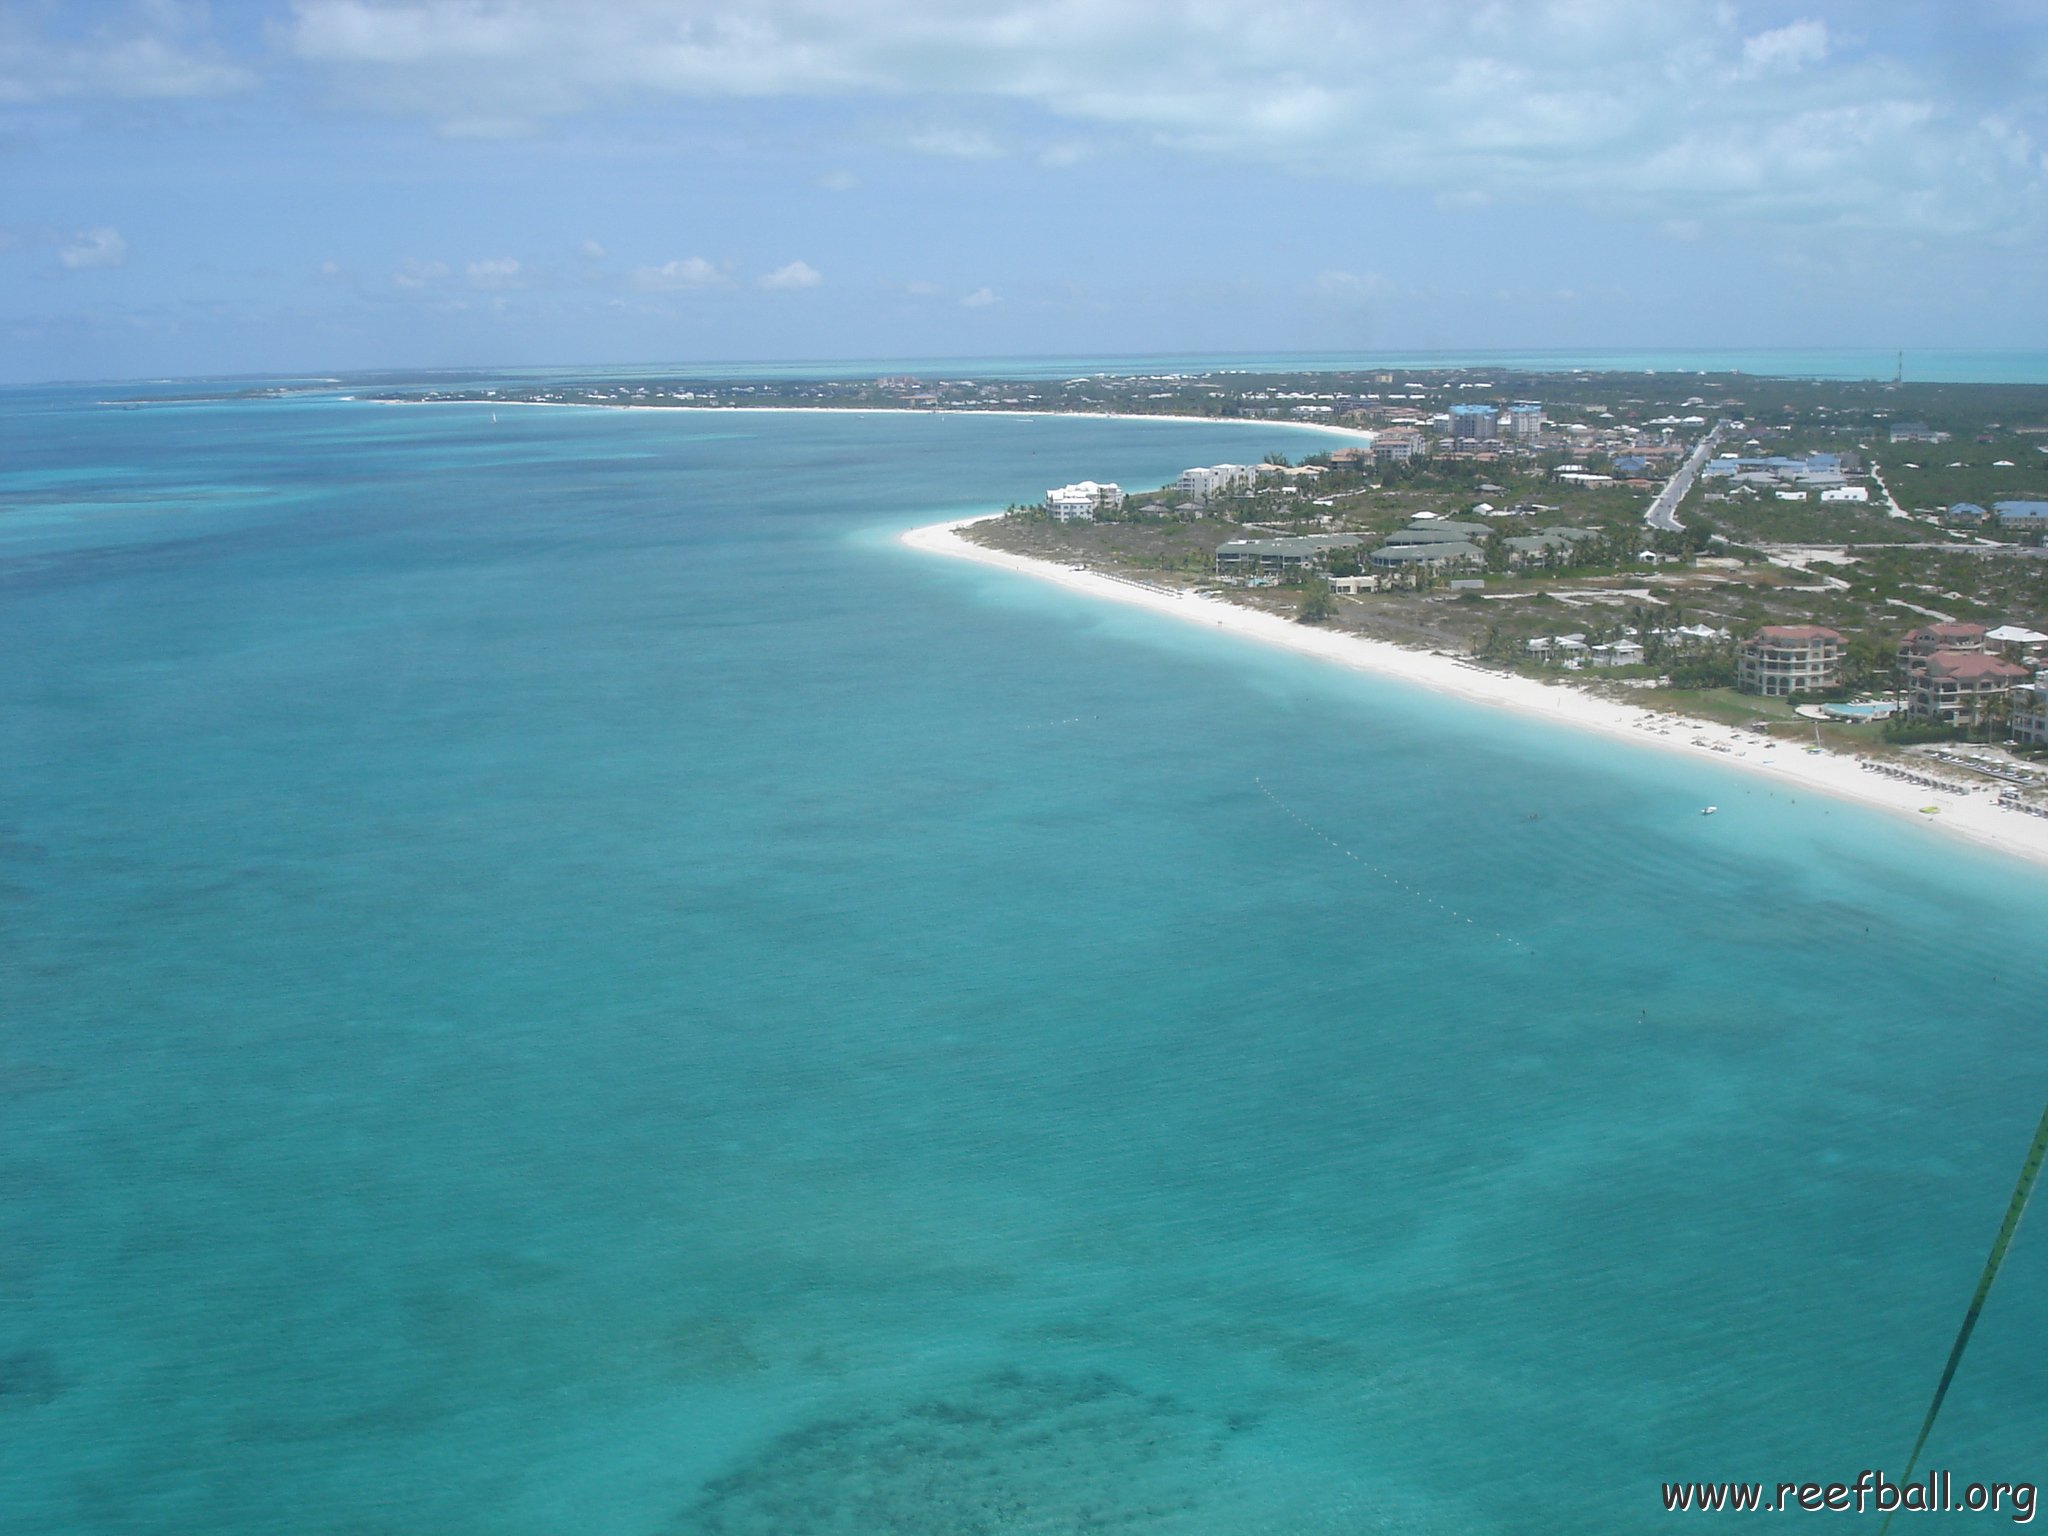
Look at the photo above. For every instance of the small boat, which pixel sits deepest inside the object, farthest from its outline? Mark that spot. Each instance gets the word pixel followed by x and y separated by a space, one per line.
pixel 1709 810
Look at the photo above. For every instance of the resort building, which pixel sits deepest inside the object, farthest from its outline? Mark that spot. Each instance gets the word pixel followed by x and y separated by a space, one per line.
pixel 1957 687
pixel 1396 445
pixel 1782 659
pixel 1415 557
pixel 1284 558
pixel 2015 643
pixel 1473 423
pixel 1922 643
pixel 2029 719
pixel 1080 501
pixel 1207 483
pixel 1441 531
pixel 1525 421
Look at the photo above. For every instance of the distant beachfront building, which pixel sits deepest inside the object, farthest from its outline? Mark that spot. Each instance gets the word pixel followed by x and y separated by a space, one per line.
pixel 1846 493
pixel 1211 481
pixel 1782 659
pixel 1396 445
pixel 1525 421
pixel 2021 511
pixel 1955 687
pixel 1079 502
pixel 1916 432
pixel 1473 423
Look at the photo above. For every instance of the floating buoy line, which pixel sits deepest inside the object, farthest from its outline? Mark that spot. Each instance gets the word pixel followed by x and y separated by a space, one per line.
pixel 1385 874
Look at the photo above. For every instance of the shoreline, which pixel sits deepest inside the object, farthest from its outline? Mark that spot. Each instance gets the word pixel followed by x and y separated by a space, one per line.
pixel 1973 815
pixel 1361 434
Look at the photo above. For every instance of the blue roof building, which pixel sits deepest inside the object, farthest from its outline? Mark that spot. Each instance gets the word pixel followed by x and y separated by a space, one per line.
pixel 2021 511
pixel 1473 421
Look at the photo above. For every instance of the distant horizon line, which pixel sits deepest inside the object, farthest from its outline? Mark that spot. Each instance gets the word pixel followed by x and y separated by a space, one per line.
pixel 1284 361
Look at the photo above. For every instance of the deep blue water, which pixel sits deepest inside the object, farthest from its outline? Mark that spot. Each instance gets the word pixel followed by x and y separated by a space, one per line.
pixel 557 979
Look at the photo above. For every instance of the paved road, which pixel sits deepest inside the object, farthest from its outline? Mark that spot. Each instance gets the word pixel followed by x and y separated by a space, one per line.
pixel 1663 513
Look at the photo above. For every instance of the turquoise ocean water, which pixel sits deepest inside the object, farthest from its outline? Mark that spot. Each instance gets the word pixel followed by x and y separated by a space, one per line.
pixel 557 979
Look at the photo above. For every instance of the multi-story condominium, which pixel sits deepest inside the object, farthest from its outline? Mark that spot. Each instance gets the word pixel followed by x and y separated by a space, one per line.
pixel 1203 484
pixel 2029 720
pixel 1396 445
pixel 1956 687
pixel 1525 421
pixel 1080 501
pixel 1922 643
pixel 1782 659
pixel 1474 423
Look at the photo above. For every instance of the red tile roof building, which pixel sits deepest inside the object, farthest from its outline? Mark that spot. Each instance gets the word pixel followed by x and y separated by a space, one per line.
pixel 1953 687
pixel 1921 643
pixel 1782 659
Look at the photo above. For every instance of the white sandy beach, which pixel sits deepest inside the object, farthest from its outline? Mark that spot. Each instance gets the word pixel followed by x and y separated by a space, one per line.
pixel 1356 434
pixel 1970 812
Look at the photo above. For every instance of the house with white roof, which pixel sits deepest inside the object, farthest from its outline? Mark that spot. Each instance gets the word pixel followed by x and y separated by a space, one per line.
pixel 1081 501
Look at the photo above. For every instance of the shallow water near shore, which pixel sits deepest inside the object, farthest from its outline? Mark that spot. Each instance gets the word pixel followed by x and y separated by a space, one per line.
pixel 559 979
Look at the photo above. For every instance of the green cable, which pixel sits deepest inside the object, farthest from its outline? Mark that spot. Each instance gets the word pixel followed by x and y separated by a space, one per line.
pixel 2030 1170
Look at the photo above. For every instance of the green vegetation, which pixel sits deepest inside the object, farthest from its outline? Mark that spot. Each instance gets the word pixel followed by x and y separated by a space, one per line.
pixel 1317 604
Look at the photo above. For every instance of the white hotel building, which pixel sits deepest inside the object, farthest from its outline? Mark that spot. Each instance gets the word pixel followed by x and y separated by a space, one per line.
pixel 1216 480
pixel 1079 502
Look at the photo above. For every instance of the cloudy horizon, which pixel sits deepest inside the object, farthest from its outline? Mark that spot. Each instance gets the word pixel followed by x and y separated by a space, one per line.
pixel 346 184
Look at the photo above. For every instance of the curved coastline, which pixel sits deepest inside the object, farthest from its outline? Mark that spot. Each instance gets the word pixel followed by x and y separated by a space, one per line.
pixel 1973 815
pixel 1354 434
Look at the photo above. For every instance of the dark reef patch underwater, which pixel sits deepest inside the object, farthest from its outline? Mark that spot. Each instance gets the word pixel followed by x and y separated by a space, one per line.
pixel 1010 1452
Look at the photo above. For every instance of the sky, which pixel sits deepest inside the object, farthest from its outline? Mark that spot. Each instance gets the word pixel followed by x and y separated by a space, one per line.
pixel 306 186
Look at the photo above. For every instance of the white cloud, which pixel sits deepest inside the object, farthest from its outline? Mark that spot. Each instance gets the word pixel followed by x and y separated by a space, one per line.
pixel 101 247
pixel 1059 156
pixel 150 51
pixel 590 250
pixel 798 274
pixel 839 181
pixel 1785 50
pixel 417 274
pixel 981 298
pixel 677 276
pixel 922 290
pixel 1610 104
pixel 331 272
pixel 498 272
